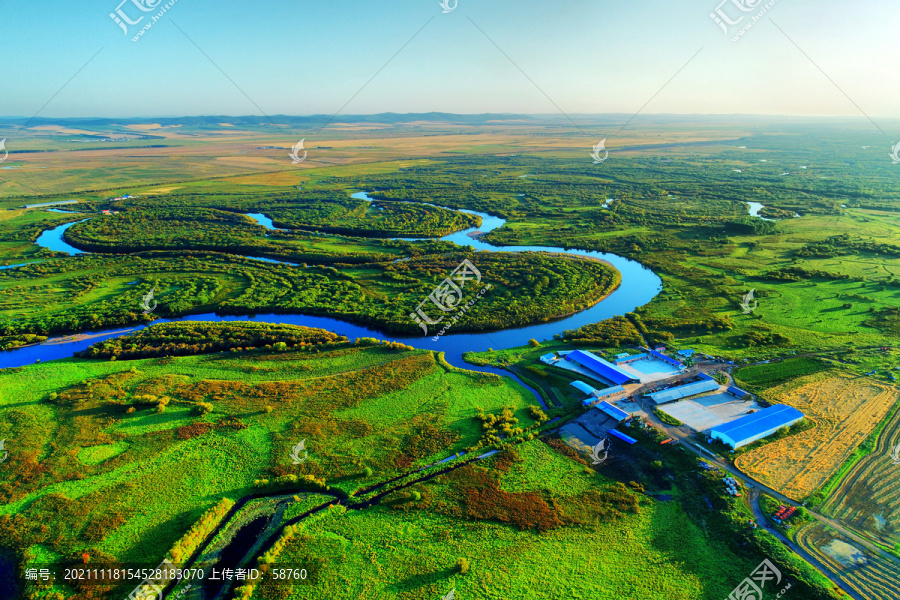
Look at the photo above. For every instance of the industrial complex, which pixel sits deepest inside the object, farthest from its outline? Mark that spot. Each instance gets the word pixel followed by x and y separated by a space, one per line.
pixel 717 410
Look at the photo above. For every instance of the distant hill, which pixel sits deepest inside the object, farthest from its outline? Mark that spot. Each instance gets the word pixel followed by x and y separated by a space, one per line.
pixel 287 120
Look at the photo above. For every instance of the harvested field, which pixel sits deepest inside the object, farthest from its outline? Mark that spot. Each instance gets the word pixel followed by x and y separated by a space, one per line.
pixel 845 409
pixel 872 576
pixel 868 498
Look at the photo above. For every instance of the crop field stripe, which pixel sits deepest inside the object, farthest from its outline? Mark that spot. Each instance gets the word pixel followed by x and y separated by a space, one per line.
pixel 872 488
pixel 874 581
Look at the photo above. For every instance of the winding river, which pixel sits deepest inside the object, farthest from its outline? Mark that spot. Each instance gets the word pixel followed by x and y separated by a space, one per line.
pixel 639 286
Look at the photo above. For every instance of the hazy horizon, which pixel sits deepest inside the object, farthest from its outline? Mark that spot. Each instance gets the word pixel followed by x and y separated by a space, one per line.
pixel 361 58
pixel 543 117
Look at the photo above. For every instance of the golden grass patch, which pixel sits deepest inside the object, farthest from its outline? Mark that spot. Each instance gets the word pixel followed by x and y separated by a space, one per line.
pixel 845 409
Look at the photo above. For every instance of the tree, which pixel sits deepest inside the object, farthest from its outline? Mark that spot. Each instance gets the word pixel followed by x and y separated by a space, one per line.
pixel 463 566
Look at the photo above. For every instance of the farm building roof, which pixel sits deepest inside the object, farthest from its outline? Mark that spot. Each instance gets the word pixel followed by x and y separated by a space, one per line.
pixel 622 436
pixel 768 419
pixel 630 358
pixel 684 391
pixel 615 412
pixel 582 386
pixel 668 359
pixel 603 368
pixel 687 353
pixel 736 391
pixel 616 389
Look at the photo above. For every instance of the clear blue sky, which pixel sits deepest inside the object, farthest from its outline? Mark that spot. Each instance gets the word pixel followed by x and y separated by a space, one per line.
pixel 590 56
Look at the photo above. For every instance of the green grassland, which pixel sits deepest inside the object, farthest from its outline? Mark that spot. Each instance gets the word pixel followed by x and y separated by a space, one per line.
pixel 122 457
pixel 535 520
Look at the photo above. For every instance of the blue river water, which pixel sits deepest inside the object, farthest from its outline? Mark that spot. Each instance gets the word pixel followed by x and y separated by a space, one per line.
pixel 639 286
pixel 53 239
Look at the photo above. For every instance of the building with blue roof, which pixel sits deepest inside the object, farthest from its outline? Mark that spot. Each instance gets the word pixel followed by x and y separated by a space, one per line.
pixel 613 411
pixel 610 391
pixel 630 358
pixel 684 391
pixel 625 438
pixel 604 369
pixel 757 426
pixel 665 359
pixel 737 392
pixel 604 393
pixel 583 387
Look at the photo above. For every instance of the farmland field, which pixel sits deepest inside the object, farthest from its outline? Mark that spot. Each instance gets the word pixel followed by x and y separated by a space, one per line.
pixel 759 377
pixel 871 575
pixel 868 497
pixel 844 408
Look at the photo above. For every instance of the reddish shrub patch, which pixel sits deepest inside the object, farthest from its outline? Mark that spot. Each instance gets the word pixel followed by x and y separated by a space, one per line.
pixel 484 500
pixel 193 430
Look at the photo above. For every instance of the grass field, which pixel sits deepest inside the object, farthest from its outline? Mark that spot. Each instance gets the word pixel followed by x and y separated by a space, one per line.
pixel 844 408
pixel 118 456
pixel 410 550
